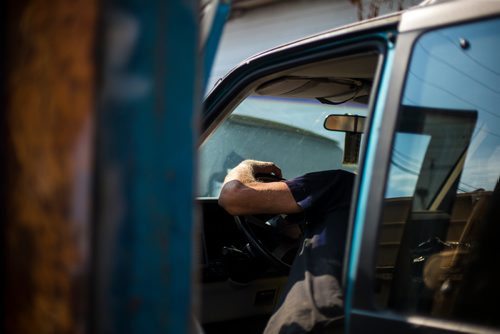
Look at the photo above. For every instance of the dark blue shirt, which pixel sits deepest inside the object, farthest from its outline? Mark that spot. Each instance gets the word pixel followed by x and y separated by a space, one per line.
pixel 312 300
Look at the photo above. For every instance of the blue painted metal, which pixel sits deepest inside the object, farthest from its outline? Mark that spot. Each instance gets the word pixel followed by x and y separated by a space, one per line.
pixel 212 42
pixel 144 184
pixel 366 176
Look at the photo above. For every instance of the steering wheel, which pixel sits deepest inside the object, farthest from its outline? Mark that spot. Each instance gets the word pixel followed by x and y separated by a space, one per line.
pixel 278 249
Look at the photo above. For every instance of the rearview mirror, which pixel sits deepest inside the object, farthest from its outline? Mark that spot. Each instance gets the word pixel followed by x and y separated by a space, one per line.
pixel 353 126
pixel 345 123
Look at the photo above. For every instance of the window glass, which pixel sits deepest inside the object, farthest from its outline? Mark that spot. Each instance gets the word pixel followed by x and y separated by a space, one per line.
pixel 287 131
pixel 437 245
pixel 407 157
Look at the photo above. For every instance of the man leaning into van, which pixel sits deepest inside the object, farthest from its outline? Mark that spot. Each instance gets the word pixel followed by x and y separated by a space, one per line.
pixel 312 300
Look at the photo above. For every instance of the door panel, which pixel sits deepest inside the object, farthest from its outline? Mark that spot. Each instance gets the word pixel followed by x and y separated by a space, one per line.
pixel 435 265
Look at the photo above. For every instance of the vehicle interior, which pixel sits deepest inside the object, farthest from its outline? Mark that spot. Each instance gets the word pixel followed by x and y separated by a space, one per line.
pixel 432 241
pixel 280 118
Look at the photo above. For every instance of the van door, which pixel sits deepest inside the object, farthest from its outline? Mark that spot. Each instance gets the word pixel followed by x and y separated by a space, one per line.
pixel 424 254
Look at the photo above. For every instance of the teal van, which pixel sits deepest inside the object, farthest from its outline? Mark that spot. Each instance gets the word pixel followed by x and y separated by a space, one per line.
pixel 411 103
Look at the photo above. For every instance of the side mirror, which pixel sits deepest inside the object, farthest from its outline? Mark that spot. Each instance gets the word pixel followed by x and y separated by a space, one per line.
pixel 353 126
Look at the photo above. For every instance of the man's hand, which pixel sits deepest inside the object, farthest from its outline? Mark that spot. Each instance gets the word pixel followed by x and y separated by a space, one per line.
pixel 243 194
pixel 245 172
pixel 263 167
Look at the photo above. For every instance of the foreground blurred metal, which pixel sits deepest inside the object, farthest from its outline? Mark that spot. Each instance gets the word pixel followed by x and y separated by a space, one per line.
pixel 144 182
pixel 97 165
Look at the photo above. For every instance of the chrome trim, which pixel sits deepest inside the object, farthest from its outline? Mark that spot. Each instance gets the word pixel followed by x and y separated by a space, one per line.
pixel 444 13
pixel 456 326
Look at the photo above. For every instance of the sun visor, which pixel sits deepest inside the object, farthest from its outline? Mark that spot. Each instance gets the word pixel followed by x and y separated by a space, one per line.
pixel 303 87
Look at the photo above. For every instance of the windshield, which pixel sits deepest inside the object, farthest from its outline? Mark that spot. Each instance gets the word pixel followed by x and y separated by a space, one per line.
pixel 287 131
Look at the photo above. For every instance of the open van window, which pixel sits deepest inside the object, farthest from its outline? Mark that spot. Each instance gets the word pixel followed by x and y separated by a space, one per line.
pixel 279 117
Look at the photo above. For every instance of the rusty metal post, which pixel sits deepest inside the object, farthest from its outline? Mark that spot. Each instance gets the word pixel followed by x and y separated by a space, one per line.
pixel 47 123
pixel 144 167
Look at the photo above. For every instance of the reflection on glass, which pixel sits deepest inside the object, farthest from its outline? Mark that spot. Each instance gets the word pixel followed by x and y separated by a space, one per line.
pixel 437 255
pixel 407 158
pixel 445 75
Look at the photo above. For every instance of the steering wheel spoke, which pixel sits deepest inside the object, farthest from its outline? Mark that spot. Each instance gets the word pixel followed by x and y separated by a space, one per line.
pixel 279 253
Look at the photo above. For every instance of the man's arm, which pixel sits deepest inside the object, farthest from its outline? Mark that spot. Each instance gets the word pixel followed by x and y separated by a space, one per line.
pixel 243 194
